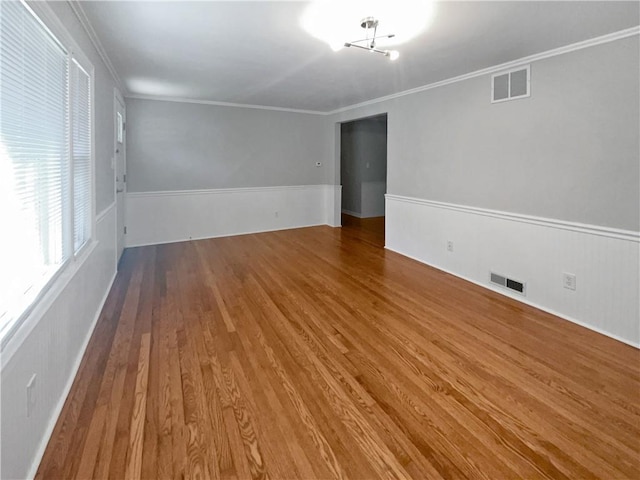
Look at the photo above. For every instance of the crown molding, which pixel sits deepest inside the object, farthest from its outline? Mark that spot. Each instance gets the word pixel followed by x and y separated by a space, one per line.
pixel 592 42
pixel 95 40
pixel 222 104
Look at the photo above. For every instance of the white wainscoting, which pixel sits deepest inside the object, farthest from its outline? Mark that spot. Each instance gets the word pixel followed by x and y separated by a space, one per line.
pixel 163 217
pixel 51 344
pixel 534 250
pixel 333 201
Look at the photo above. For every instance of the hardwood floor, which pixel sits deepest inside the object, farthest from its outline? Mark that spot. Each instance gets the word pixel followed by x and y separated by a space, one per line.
pixel 369 230
pixel 314 353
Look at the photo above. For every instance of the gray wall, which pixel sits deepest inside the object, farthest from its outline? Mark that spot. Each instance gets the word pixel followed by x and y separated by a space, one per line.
pixel 363 159
pixel 569 152
pixel 186 146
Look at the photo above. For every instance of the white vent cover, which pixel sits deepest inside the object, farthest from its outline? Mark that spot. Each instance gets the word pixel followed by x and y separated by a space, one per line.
pixel 510 283
pixel 511 84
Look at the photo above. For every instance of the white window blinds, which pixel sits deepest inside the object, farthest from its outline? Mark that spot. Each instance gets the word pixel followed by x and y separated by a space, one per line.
pixel 81 154
pixel 45 159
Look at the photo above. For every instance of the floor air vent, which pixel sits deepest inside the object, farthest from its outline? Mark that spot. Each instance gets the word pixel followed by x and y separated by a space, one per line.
pixel 509 283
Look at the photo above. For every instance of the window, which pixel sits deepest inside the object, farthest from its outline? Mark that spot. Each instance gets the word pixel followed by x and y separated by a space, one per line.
pixel 120 128
pixel 510 85
pixel 81 154
pixel 45 159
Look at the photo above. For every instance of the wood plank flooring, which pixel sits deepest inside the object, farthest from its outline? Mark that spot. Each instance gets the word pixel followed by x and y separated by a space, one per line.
pixel 314 353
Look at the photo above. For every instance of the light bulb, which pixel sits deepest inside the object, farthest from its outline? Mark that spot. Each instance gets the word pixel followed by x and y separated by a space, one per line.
pixel 393 54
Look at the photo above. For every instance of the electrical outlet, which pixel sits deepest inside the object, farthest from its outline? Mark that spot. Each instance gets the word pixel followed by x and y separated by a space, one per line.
pixel 569 281
pixel 449 245
pixel 31 395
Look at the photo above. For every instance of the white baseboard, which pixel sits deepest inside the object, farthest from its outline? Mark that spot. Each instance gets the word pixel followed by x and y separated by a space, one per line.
pixel 360 215
pixel 351 213
pixel 531 249
pixel 221 236
pixel 163 217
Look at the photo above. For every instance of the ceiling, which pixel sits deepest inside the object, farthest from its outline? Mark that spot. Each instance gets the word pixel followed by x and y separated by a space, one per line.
pixel 257 53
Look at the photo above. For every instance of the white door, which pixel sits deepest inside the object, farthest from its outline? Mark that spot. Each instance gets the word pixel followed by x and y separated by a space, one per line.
pixel 120 173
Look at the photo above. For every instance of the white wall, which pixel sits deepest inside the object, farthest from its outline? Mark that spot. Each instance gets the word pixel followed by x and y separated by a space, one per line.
pixel 51 341
pixel 568 155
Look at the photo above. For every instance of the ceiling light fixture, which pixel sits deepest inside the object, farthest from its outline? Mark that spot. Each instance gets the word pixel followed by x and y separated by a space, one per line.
pixel 369 24
pixel 335 21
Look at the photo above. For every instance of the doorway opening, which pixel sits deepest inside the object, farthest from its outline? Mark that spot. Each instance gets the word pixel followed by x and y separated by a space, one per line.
pixel 363 175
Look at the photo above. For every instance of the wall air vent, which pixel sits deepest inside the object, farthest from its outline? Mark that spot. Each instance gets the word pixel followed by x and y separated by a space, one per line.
pixel 511 84
pixel 509 283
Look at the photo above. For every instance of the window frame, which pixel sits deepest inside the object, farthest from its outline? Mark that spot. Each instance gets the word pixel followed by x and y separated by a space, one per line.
pixel 508 73
pixel 24 318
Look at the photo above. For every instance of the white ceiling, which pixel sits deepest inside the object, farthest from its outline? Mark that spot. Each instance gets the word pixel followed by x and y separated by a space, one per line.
pixel 257 52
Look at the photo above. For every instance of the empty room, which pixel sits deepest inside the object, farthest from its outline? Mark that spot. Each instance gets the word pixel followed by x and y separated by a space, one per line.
pixel 319 239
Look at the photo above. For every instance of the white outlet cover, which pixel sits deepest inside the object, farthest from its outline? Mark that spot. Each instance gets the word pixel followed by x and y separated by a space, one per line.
pixel 569 281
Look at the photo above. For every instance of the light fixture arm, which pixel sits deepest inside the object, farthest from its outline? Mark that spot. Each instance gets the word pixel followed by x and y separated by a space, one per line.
pixel 370 49
pixel 367 40
pixel 373 40
pixel 369 23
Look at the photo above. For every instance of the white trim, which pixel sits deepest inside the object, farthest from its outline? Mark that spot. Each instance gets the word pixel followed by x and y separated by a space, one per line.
pixel 118 94
pixel 216 191
pixel 45 15
pixel 353 214
pixel 95 40
pixel 104 212
pixel 118 100
pixel 603 231
pixel 629 32
pixel 222 104
pixel 33 469
pixel 520 298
